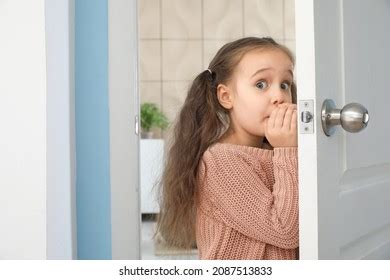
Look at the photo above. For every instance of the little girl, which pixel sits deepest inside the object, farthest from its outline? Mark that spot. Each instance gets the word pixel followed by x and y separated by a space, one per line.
pixel 230 184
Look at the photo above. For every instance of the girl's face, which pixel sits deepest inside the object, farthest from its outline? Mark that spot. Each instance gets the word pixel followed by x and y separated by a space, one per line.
pixel 261 80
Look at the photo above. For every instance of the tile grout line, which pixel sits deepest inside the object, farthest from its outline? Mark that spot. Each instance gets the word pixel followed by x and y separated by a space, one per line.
pixel 284 22
pixel 243 17
pixel 161 60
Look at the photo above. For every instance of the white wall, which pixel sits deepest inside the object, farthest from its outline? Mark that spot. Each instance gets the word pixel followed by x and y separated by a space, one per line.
pixel 23 130
pixel 35 145
pixel 61 206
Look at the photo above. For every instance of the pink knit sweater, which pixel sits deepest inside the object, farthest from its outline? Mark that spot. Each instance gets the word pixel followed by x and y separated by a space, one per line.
pixel 247 203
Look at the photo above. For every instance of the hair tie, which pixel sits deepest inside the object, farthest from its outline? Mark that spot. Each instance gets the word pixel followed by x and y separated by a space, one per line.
pixel 212 75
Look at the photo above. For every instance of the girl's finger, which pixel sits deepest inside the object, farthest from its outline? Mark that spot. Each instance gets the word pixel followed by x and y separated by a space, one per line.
pixel 293 125
pixel 280 116
pixel 271 119
pixel 287 118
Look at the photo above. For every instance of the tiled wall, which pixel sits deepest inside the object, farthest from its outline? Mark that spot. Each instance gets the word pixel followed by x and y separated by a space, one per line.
pixel 178 38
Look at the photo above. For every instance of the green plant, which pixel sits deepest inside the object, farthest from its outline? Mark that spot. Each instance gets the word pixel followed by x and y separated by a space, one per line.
pixel 151 117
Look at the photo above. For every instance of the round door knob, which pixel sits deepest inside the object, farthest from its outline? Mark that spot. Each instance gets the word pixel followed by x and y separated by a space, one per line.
pixel 353 117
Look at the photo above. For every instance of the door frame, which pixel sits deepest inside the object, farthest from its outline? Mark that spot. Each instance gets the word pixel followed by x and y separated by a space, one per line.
pixel 124 136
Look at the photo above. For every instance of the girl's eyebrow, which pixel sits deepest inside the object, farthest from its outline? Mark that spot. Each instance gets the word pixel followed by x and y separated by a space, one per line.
pixel 268 68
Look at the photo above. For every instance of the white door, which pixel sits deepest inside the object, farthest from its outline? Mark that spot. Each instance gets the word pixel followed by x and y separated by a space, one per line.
pixel 342 50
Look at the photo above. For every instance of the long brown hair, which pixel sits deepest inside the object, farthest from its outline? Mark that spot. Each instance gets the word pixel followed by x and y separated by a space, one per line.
pixel 200 123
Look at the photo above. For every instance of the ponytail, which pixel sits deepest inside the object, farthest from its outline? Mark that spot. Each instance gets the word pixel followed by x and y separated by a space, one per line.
pixel 198 126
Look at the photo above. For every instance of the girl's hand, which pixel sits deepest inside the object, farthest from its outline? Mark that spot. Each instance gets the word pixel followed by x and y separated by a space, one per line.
pixel 281 126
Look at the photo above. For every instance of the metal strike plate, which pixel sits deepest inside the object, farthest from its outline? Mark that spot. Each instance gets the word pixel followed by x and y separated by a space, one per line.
pixel 136 125
pixel 306 116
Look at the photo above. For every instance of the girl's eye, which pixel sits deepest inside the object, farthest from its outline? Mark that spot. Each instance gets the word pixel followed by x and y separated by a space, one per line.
pixel 285 86
pixel 261 84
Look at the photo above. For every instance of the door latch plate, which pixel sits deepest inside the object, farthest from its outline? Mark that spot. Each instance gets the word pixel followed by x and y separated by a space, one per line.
pixel 306 116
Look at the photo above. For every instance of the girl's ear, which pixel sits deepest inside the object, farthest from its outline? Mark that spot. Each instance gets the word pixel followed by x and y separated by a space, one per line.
pixel 225 96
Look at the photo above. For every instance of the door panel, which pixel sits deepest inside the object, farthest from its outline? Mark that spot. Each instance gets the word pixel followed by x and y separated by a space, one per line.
pixel 342 55
pixel 366 41
pixel 364 205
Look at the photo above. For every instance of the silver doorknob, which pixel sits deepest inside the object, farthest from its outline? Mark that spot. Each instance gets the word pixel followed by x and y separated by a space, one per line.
pixel 353 117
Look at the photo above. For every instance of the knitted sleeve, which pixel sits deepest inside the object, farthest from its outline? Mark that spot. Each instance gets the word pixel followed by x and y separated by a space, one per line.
pixel 244 202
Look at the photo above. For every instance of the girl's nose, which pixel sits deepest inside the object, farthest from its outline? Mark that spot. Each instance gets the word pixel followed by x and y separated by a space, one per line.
pixel 278 96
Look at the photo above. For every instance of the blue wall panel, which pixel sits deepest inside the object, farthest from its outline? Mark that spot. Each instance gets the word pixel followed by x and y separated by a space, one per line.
pixel 92 130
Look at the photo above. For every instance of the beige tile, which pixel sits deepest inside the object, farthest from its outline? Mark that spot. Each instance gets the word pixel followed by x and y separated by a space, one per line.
pixel 181 19
pixel 182 59
pixel 149 19
pixel 174 95
pixel 264 18
pixel 151 92
pixel 222 19
pixel 150 60
pixel 210 49
pixel 289 19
